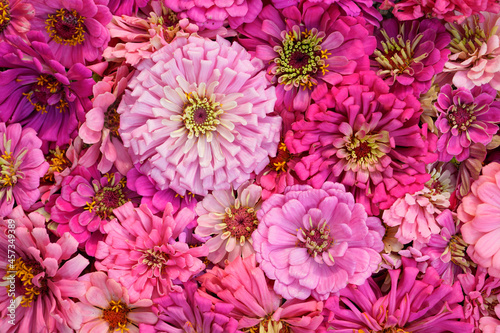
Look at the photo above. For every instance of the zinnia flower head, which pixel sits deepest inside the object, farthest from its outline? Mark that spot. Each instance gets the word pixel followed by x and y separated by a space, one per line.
pixel 15 16
pixel 22 164
pixel 316 241
pixel 465 117
pixel 412 304
pixel 410 54
pixel 475 51
pixel 188 311
pixel 196 124
pixel 37 91
pixel 243 286
pixel 75 30
pixel 150 258
pixel 126 7
pixel 308 47
pixel 480 211
pixel 105 306
pixel 366 138
pixel 46 275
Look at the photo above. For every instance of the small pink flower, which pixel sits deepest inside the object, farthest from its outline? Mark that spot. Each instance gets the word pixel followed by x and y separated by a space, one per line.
pixel 15 16
pixel 150 258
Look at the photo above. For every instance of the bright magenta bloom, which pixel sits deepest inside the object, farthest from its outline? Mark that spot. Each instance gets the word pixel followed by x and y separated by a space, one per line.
pixel 15 16
pixel 142 252
pixel 196 124
pixel 316 241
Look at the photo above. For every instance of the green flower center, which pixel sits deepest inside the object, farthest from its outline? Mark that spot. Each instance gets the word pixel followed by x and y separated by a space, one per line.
pixel 301 58
pixel 201 114
pixel 469 39
pixel 367 150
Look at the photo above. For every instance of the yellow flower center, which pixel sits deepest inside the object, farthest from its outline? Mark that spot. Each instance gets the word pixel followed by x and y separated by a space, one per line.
pixel 66 27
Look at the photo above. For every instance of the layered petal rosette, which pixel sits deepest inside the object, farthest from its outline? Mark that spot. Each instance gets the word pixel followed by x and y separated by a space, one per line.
pixel 366 138
pixel 466 117
pixel 313 242
pixel 196 124
pixel 480 210
pixel 308 46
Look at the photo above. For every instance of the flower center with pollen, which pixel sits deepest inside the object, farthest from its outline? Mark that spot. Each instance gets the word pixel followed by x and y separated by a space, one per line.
pixel 45 88
pixel 155 259
pixel 458 247
pixel 26 270
pixel 301 58
pixel 201 114
pixel 4 15
pixel 112 118
pixel 364 151
pixel 462 116
pixel 66 27
pixel 316 239
pixel 240 221
pixel 57 163
pixel 279 163
pixel 9 168
pixel 108 198
pixel 396 55
pixel 268 325
pixel 116 316
pixel 468 38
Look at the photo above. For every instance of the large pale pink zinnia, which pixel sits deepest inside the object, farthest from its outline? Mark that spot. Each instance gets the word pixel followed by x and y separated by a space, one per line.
pixel 196 124
pixel 316 241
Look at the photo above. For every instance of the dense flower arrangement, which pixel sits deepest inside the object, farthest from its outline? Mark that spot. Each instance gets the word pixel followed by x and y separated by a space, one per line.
pixel 285 166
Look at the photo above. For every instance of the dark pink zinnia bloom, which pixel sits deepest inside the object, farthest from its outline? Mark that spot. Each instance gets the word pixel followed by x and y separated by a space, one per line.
pixel 126 7
pixel 367 139
pixel 409 54
pixel 86 204
pixel 425 305
pixel 75 30
pixel 465 117
pixel 308 46
pixel 36 91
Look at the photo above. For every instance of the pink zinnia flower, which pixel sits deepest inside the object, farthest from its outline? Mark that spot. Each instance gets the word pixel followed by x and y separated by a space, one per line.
pixel 46 275
pixel 150 258
pixel 105 307
pixel 75 30
pixel 126 7
pixel 316 241
pixel 198 125
pixel 22 165
pixel 256 306
pixel 475 51
pixel 213 14
pixel 308 48
pixel 414 305
pixel 415 214
pixel 15 16
pixel 188 311
pixel 366 138
pixel 490 324
pixel 465 117
pixel 101 125
pixel 230 219
pixel 480 211
pixel 410 54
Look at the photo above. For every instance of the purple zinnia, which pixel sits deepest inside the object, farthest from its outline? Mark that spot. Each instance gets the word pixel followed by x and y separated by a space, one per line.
pixel 22 164
pixel 409 54
pixel 466 117
pixel 75 30
pixel 308 46
pixel 37 91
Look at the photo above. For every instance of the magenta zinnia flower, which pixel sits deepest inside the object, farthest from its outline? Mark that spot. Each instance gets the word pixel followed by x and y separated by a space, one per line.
pixel 22 164
pixel 366 138
pixel 37 91
pixel 256 306
pixel 316 241
pixel 126 7
pixel 465 117
pixel 426 305
pixel 105 307
pixel 75 30
pixel 308 47
pixel 410 54
pixel 198 125
pixel 15 16
pixel 480 211
pixel 150 258
pixel 46 275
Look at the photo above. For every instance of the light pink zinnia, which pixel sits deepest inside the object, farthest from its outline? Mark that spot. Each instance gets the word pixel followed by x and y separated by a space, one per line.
pixel 46 275
pixel 475 52
pixel 196 124
pixel 15 16
pixel 316 241
pixel 142 252
pixel 22 164
pixel 106 307
pixel 480 210
pixel 491 324
pixel 230 219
